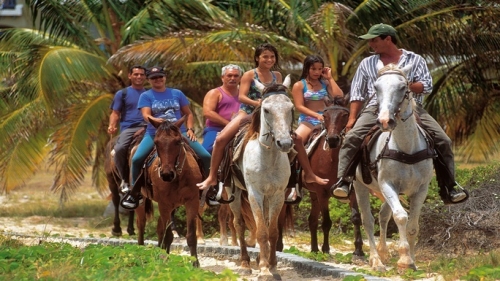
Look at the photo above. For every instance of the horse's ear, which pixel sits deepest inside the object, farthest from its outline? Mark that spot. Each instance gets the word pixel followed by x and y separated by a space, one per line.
pixel 179 122
pixel 155 123
pixel 259 85
pixel 406 69
pixel 380 65
pixel 328 101
pixel 287 81
pixel 345 100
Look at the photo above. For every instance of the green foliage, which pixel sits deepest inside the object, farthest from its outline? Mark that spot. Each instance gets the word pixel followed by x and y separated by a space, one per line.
pixel 319 256
pixel 61 261
pixel 487 272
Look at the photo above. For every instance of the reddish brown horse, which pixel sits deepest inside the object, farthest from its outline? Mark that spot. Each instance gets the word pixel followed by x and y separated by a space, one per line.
pixel 324 162
pixel 173 175
pixel 114 181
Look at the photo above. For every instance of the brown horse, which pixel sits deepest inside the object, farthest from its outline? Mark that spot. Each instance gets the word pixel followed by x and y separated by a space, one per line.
pixel 173 175
pixel 114 181
pixel 324 162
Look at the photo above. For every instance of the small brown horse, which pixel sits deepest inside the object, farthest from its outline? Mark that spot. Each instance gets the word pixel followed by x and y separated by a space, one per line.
pixel 324 162
pixel 114 181
pixel 173 175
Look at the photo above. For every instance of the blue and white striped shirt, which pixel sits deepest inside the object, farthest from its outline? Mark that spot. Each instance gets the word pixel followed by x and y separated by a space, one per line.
pixel 366 75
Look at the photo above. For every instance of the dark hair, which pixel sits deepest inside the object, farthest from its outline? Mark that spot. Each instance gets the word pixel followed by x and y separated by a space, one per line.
pixel 308 62
pixel 131 69
pixel 393 39
pixel 265 47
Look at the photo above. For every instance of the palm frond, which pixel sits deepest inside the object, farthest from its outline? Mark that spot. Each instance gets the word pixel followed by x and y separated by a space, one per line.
pixel 20 160
pixel 73 143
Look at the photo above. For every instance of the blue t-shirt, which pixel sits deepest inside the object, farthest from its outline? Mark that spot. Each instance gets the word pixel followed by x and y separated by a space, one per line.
pixel 165 105
pixel 132 116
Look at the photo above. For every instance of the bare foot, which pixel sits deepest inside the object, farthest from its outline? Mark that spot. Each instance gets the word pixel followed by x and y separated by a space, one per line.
pixel 206 183
pixel 312 178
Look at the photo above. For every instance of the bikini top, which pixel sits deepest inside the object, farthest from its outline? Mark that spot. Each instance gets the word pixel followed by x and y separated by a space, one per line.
pixel 310 95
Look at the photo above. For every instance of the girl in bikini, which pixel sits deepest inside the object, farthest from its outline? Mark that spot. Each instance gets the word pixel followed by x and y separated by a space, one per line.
pixel 266 58
pixel 316 82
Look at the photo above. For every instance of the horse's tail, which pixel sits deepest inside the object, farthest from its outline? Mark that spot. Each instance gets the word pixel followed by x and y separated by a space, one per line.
pixel 288 225
pixel 148 208
pixel 246 211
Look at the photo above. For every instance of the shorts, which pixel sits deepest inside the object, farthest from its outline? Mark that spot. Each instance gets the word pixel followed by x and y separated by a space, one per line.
pixel 309 119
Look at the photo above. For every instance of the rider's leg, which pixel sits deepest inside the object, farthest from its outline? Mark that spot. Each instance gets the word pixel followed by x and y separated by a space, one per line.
pixel 309 175
pixel 121 156
pixel 304 130
pixel 350 146
pixel 145 147
pixel 209 135
pixel 221 141
pixel 442 143
pixel 202 153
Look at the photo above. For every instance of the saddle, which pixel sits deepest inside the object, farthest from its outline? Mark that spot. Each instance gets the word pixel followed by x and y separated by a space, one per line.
pixel 369 168
pixel 313 140
pixel 234 150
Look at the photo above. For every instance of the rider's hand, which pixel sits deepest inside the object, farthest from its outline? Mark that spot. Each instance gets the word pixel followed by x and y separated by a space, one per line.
pixel 111 130
pixel 327 73
pixel 191 135
pixel 320 117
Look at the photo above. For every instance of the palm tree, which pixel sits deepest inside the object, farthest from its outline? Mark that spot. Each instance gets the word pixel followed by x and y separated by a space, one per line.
pixel 56 108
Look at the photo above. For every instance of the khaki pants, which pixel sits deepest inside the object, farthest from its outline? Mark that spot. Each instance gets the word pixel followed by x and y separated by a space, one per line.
pixel 367 119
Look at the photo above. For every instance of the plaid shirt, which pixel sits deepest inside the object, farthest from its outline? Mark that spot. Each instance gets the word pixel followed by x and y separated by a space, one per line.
pixel 366 75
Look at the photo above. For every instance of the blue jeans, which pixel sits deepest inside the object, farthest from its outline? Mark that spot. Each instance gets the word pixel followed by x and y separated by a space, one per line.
pixel 147 145
pixel 209 135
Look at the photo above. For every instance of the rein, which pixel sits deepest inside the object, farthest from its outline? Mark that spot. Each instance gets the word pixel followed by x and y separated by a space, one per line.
pixel 407 92
pixel 323 128
pixel 179 165
pixel 270 133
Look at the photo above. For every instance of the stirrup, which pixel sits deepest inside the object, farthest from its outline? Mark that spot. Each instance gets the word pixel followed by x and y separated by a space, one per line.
pixel 349 189
pixel 447 198
pixel 217 196
pixel 295 196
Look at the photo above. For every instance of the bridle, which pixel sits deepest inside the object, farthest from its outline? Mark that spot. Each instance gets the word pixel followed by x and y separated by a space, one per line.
pixel 407 92
pixel 323 128
pixel 270 133
pixel 179 163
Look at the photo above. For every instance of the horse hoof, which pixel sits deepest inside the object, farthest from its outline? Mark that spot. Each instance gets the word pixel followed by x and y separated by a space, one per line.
pixel 358 260
pixel 116 233
pixel 403 269
pixel 131 233
pixel 244 271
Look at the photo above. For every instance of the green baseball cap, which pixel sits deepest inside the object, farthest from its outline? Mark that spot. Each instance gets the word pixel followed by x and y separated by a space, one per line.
pixel 379 29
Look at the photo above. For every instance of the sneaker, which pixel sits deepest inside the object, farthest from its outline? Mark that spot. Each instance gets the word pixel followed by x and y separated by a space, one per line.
pixel 129 202
pixel 340 189
pixel 457 195
pixel 124 187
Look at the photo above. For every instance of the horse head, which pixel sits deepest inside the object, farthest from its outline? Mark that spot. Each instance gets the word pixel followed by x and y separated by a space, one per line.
pixel 170 145
pixel 393 94
pixel 276 115
pixel 336 116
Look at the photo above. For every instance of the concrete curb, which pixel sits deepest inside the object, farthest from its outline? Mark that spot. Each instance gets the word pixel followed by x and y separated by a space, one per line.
pixel 305 266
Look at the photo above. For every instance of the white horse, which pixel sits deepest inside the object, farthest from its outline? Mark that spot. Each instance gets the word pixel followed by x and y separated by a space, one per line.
pixel 266 169
pixel 400 135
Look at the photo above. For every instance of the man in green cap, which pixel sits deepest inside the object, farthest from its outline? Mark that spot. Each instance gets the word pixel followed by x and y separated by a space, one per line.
pixel 382 39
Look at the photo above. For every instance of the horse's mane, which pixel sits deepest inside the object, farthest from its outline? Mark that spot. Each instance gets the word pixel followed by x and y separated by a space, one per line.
pixel 254 127
pixel 390 67
pixel 168 126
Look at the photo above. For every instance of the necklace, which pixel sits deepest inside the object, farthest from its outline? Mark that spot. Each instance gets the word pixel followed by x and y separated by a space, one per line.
pixel 310 83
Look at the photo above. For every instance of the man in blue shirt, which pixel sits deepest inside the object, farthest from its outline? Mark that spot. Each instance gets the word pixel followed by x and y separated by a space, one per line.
pixel 125 112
